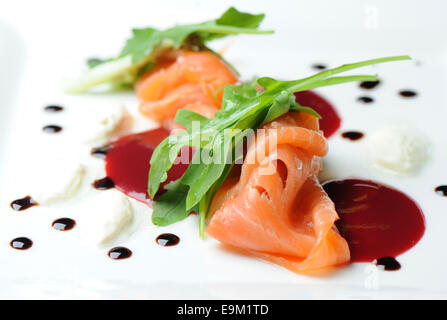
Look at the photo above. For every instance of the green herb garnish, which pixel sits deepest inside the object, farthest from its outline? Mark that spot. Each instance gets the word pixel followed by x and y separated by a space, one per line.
pixel 145 45
pixel 243 108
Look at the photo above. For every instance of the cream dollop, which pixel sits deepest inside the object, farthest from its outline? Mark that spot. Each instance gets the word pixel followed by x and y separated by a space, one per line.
pixel 62 181
pixel 103 123
pixel 399 148
pixel 107 216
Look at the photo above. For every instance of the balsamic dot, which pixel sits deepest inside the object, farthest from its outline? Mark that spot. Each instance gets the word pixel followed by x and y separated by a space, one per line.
pixel 167 239
pixel 53 108
pixel 319 66
pixel 100 152
pixel 368 85
pixel 408 93
pixel 441 190
pixel 389 263
pixel 23 203
pixel 365 99
pixel 52 128
pixel 63 224
pixel 21 243
pixel 352 135
pixel 119 253
pixel 104 184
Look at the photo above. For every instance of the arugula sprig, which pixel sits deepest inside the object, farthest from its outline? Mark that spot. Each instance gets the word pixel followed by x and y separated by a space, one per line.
pixel 243 107
pixel 145 45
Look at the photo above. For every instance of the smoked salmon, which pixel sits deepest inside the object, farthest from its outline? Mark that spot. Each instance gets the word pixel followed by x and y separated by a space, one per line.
pixel 283 216
pixel 183 79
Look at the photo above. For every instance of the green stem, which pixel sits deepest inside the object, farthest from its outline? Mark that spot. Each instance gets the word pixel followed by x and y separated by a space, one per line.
pixel 203 211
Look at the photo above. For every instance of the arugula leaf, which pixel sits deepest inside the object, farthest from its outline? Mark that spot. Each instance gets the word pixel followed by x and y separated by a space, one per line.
pixel 162 160
pixel 185 117
pixel 170 206
pixel 280 106
pixel 147 44
pixel 235 18
pixel 243 107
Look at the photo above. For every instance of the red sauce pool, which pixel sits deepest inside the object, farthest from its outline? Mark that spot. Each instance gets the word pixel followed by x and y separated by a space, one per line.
pixel 330 121
pixel 127 163
pixel 376 220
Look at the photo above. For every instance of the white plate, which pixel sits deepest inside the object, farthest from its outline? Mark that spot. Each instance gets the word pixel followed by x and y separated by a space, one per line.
pixel 42 42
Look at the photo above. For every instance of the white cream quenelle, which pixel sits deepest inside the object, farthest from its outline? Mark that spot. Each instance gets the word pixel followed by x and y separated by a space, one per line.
pixel 108 215
pixel 63 181
pixel 104 122
pixel 398 148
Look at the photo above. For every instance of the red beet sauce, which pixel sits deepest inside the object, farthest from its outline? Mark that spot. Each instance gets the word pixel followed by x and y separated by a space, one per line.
pixel 127 163
pixel 376 220
pixel 330 120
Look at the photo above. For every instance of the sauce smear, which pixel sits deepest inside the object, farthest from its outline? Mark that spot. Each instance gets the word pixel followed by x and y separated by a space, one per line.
pixel 127 163
pixel 376 220
pixel 330 121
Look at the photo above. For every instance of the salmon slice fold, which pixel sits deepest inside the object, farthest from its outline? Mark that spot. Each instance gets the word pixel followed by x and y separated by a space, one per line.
pixel 276 209
pixel 181 79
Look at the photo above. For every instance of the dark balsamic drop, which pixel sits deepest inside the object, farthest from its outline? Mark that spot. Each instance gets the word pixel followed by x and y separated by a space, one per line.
pixel 388 263
pixel 63 224
pixel 53 108
pixel 441 190
pixel 21 243
pixel 369 84
pixel 319 66
pixel 352 135
pixel 408 93
pixel 167 239
pixel 23 203
pixel 52 128
pixel 100 152
pixel 365 99
pixel 119 253
pixel 104 184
